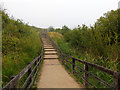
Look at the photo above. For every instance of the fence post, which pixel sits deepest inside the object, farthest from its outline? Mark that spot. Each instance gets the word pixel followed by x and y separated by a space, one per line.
pixel 39 60
pixel 117 82
pixel 85 75
pixel 62 59
pixel 29 72
pixel 14 83
pixel 73 65
pixel 35 65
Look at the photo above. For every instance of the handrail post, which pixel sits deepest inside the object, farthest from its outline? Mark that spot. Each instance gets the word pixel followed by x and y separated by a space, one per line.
pixel 39 60
pixel 85 75
pixel 73 65
pixel 15 83
pixel 35 65
pixel 117 82
pixel 29 72
pixel 63 58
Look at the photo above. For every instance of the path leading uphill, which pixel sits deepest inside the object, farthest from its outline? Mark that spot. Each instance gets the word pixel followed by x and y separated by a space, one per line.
pixel 53 74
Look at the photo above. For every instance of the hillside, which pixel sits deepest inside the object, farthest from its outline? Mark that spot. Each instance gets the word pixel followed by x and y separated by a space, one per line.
pixel 20 45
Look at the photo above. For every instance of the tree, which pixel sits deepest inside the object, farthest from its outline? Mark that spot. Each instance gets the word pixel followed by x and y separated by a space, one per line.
pixel 51 29
pixel 65 29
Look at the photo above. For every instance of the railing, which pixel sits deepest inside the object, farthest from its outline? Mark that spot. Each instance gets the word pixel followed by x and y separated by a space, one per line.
pixel 14 82
pixel 73 67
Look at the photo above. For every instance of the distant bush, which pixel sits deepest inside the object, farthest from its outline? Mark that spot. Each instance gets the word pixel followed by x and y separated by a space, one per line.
pixel 51 29
pixel 63 30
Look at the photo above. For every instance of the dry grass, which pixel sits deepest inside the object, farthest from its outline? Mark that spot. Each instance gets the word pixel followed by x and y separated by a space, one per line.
pixel 55 34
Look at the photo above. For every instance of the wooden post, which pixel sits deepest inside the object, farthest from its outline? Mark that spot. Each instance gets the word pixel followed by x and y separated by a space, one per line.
pixel 62 59
pixel 73 65
pixel 14 83
pixel 29 72
pixel 86 75
pixel 39 60
pixel 35 65
pixel 117 82
pixel 118 85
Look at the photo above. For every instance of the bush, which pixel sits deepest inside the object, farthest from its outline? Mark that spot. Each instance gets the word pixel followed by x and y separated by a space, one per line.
pixel 101 40
pixel 20 45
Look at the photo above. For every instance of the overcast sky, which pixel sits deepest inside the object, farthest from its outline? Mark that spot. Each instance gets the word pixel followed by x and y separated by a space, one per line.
pixel 56 13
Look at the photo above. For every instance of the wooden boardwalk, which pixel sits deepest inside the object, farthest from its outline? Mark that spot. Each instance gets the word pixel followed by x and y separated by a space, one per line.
pixel 53 74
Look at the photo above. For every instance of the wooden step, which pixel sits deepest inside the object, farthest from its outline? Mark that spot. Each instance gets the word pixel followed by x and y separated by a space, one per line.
pixel 50 52
pixel 50 56
pixel 48 45
pixel 50 49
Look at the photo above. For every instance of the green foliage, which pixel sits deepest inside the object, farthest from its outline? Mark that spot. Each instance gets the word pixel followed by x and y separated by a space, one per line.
pixel 63 30
pixel 20 45
pixel 101 40
pixel 98 44
pixel 51 29
pixel 70 50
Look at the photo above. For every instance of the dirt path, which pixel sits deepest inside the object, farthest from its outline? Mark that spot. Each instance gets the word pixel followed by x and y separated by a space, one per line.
pixel 53 74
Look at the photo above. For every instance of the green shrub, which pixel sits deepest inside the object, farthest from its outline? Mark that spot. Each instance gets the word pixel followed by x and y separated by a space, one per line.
pixel 20 45
pixel 98 44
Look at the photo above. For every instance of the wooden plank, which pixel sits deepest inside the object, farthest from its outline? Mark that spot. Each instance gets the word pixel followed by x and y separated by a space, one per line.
pixel 50 52
pixel 50 49
pixel 47 45
pixel 50 56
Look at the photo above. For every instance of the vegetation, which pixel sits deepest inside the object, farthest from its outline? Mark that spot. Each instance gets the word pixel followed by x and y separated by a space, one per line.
pixel 20 45
pixel 51 29
pixel 98 44
pixel 63 30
